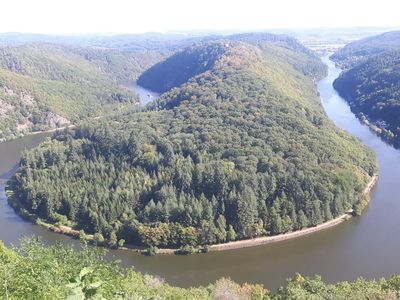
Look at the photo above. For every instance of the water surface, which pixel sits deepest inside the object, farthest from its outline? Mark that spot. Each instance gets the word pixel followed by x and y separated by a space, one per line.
pixel 146 96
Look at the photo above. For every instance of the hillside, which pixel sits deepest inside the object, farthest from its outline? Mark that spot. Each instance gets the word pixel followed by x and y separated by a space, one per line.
pixel 357 51
pixel 45 86
pixel 372 89
pixel 123 66
pixel 180 67
pixel 37 272
pixel 184 65
pixel 241 149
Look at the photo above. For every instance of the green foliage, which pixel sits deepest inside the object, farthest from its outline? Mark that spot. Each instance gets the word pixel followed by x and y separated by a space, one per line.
pixel 185 250
pixel 241 150
pixel 301 288
pixel 98 238
pixel 231 234
pixel 44 86
pixel 84 286
pixel 181 66
pixel 124 66
pixel 34 271
pixel 58 272
pixel 372 88
pixel 201 57
pixel 151 251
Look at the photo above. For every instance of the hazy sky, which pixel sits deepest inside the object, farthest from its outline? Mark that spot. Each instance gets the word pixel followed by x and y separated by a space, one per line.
pixel 134 16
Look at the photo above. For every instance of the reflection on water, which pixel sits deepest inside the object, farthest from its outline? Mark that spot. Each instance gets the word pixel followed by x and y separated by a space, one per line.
pixel 146 96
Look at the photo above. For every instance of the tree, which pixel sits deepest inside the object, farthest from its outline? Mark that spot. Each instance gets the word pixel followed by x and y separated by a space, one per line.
pixel 121 242
pixel 316 216
pixel 113 241
pixel 327 211
pixel 98 238
pixel 302 220
pixel 246 212
pixel 231 234
pixel 221 229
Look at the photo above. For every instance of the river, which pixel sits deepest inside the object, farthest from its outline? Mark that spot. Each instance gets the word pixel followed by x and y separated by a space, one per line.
pixel 367 246
pixel 146 96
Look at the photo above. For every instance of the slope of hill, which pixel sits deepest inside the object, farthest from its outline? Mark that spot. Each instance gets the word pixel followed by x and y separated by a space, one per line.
pixel 288 48
pixel 124 66
pixel 44 86
pixel 184 65
pixel 372 89
pixel 181 67
pixel 357 51
pixel 242 148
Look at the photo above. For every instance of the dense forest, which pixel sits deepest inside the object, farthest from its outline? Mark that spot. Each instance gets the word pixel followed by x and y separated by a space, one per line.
pixel 372 89
pixel 175 71
pixel 44 86
pixel 33 271
pixel 360 50
pixel 371 84
pixel 240 150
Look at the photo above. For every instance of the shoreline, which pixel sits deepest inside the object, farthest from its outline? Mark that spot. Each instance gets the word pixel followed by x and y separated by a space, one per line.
pixel 60 128
pixel 294 234
pixel 263 240
pixel 50 130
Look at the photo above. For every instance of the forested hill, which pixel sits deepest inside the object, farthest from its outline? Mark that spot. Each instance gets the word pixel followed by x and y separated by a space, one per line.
pixel 288 48
pixel 44 86
pixel 195 60
pixel 373 89
pixel 181 67
pixel 370 82
pixel 242 149
pixel 360 50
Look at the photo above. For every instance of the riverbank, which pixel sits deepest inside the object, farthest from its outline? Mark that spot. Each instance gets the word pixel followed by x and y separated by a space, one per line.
pixel 52 130
pixel 67 230
pixel 62 128
pixel 295 234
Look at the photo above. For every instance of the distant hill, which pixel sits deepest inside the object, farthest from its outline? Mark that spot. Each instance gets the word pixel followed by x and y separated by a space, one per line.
pixel 286 48
pixel 123 66
pixel 45 85
pixel 372 88
pixel 151 41
pixel 238 146
pixel 371 81
pixel 360 50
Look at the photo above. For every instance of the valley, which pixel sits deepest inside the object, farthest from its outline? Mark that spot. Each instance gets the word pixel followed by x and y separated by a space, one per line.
pixel 269 258
pixel 239 144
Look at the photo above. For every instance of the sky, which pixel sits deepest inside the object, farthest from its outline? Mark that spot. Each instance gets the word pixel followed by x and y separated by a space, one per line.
pixel 138 16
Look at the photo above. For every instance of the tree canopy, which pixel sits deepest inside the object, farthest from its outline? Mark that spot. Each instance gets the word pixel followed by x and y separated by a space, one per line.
pixel 372 86
pixel 44 86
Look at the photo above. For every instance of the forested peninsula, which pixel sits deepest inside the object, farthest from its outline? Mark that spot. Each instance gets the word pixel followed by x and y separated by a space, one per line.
pixel 237 147
pixel 372 84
